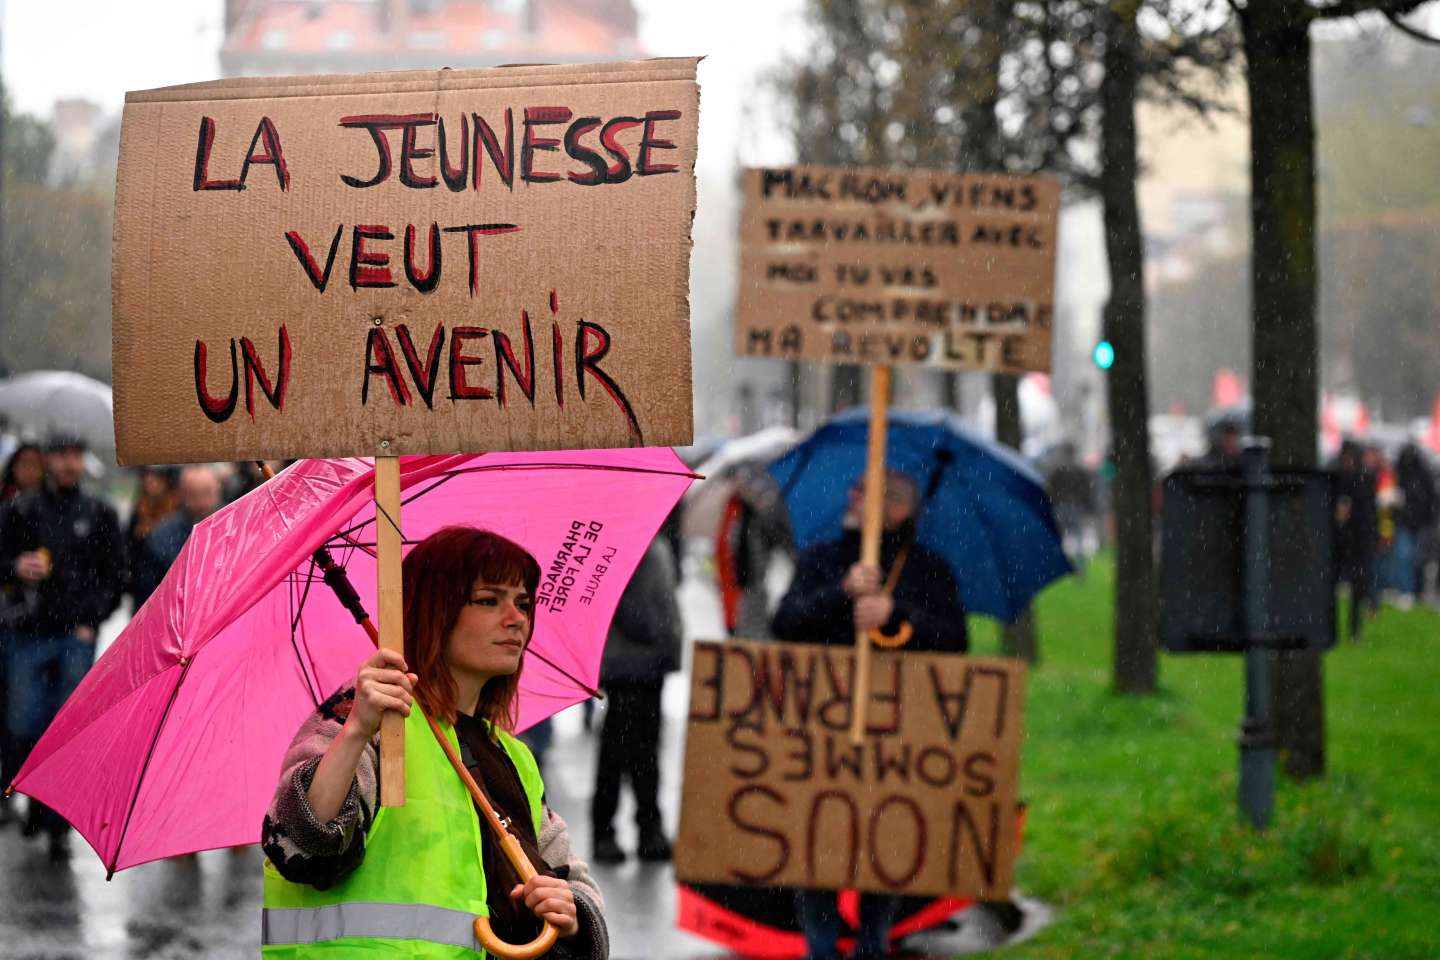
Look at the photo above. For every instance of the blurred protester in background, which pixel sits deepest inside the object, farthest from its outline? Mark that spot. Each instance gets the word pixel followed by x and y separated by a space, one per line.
pixel 1072 494
pixel 1387 502
pixel 25 470
pixel 244 476
pixel 753 529
pixel 62 551
pixel 642 647
pixel 199 496
pixel 1227 450
pixel 1414 518
pixel 833 596
pixel 1427 559
pixel 154 501
pixel 538 738
pixel 673 533
pixel 1357 534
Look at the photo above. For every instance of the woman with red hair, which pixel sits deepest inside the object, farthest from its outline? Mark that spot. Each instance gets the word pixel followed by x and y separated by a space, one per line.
pixel 344 874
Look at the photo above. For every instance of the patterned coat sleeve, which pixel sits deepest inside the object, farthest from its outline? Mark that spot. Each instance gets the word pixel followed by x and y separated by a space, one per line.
pixel 302 848
pixel 592 941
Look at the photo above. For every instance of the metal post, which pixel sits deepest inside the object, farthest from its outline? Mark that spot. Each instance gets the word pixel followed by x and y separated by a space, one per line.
pixel 1257 734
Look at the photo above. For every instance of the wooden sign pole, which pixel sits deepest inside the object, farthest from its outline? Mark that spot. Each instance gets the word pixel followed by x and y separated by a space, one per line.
pixel 870 529
pixel 392 618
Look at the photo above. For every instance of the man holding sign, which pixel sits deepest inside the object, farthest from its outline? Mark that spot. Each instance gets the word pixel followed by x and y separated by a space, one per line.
pixel 911 598
pixel 910 593
pixel 832 765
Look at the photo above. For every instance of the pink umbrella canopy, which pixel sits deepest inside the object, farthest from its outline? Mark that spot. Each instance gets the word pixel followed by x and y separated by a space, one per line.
pixel 173 742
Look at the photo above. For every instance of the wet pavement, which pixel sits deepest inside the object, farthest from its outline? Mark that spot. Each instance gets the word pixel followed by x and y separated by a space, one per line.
pixel 208 906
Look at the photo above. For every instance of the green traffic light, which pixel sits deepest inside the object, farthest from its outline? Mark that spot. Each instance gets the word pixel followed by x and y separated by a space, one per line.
pixel 1104 355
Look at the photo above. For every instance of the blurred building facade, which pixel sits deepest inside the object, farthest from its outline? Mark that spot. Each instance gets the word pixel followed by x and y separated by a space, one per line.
pixel 1377 96
pixel 87 139
pixel 284 37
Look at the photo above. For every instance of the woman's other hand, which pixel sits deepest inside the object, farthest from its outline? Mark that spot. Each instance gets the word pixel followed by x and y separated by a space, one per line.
pixel 550 899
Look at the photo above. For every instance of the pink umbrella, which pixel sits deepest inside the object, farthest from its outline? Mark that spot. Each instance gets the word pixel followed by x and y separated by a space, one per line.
pixel 173 742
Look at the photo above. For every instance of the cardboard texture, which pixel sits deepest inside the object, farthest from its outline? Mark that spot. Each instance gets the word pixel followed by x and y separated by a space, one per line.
pixel 776 794
pixel 405 263
pixel 877 266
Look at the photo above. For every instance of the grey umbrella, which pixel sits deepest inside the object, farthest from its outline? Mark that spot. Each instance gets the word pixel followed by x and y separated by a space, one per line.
pixel 45 402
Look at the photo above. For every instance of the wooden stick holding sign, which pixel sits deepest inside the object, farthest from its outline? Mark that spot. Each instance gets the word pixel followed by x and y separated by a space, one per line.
pixel 872 524
pixel 388 540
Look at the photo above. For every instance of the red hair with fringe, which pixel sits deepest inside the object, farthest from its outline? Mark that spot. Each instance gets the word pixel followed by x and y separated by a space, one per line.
pixel 438 576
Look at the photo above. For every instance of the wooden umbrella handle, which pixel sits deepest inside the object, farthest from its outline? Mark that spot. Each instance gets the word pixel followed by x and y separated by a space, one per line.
pixel 513 852
pixel 892 641
pixel 514 951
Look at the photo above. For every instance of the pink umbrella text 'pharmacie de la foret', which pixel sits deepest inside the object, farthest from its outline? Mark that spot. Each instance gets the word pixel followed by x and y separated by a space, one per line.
pixel 173 742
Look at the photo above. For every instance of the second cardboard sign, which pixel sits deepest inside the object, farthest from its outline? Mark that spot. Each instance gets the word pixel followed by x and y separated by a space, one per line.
pixel 876 266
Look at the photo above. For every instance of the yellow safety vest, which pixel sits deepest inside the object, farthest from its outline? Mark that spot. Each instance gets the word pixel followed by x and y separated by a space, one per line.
pixel 421 885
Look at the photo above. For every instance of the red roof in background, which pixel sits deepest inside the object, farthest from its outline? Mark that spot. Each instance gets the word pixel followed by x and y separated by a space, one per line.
pixel 334 31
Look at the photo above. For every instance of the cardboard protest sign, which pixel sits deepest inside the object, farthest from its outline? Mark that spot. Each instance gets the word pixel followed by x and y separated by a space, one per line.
pixel 777 794
pixel 405 263
pixel 867 265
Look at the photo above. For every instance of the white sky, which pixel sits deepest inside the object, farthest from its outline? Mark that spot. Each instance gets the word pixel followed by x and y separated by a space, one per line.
pixel 98 49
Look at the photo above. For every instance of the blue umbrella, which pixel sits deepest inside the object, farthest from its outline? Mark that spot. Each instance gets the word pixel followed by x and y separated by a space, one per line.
pixel 982 508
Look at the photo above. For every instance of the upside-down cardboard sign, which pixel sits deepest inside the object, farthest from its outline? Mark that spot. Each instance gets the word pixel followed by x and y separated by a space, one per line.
pixel 867 265
pixel 405 263
pixel 776 792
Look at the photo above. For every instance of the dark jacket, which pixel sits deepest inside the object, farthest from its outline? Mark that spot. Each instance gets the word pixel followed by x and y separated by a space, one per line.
pixel 1418 510
pixel 1359 535
pixel 87 557
pixel 816 609
pixel 157 553
pixel 146 514
pixel 644 638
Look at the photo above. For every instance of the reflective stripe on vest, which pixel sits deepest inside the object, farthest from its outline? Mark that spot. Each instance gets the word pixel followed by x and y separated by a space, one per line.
pixel 383 921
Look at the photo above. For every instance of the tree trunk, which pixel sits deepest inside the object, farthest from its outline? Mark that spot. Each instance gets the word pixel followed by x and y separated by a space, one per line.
pixel 846 381
pixel 1124 326
pixel 1285 385
pixel 1018 638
